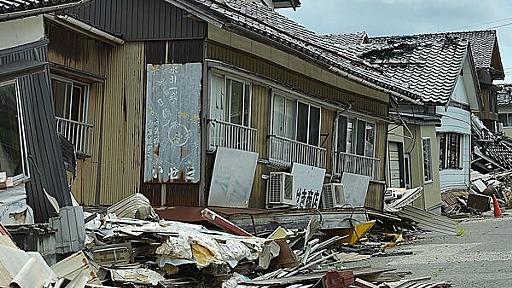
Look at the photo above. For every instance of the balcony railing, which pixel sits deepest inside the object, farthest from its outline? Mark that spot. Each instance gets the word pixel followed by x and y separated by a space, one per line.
pixel 284 152
pixel 229 135
pixel 356 164
pixel 78 133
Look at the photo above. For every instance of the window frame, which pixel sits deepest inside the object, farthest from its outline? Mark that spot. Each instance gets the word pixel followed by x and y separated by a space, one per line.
pixel 286 96
pixel 445 153
pixel 508 116
pixel 85 98
pixel 427 174
pixel 227 96
pixel 354 134
pixel 25 175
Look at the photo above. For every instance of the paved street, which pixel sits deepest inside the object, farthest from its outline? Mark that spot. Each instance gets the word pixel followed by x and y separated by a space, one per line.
pixel 481 258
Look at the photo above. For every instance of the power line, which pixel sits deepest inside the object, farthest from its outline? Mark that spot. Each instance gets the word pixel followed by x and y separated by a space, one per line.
pixel 483 23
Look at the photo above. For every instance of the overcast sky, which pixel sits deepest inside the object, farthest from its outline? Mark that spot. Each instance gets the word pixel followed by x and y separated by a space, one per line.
pixel 401 17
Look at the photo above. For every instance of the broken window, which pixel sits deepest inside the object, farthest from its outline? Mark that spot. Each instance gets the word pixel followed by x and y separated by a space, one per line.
pixel 12 141
pixel 355 136
pixel 427 159
pixel 449 150
pixel 295 120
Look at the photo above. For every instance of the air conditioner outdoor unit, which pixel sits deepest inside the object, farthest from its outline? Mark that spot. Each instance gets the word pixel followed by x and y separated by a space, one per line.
pixel 333 196
pixel 280 189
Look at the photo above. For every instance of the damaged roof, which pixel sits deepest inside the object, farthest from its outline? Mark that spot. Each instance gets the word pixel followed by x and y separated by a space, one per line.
pixel 341 39
pixel 10 9
pixel 430 67
pixel 257 21
pixel 415 69
pixel 484 46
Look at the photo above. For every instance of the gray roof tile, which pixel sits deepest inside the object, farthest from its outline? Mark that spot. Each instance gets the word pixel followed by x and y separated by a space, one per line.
pixel 11 6
pixel 482 43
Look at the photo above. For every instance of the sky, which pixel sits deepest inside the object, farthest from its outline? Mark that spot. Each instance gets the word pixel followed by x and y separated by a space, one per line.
pixel 403 17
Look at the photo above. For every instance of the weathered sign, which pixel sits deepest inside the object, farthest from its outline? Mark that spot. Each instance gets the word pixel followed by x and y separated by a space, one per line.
pixel 172 123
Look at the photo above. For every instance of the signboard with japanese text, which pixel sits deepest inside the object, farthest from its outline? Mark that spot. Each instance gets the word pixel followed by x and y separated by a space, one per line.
pixel 173 140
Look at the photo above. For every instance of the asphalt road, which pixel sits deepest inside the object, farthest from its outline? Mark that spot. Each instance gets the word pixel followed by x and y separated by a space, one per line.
pixel 482 257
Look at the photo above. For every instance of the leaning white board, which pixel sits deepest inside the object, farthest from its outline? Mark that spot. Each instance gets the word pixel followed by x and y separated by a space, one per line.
pixel 232 178
pixel 308 178
pixel 355 187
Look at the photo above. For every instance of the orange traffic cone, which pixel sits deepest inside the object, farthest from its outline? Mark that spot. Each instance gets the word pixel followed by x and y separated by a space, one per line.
pixel 496 206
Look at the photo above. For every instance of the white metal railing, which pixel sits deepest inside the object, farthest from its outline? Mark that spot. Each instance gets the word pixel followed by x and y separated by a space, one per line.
pixel 78 133
pixel 229 135
pixel 284 152
pixel 356 164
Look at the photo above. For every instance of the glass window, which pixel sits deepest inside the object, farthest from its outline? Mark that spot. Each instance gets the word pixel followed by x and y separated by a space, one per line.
pixel 370 140
pixel 361 126
pixel 290 118
pixel 218 108
pixel 350 136
pixel 449 150
pixel 427 159
pixel 70 99
pixel 302 122
pixel 278 116
pixel 342 134
pixel 12 148
pixel 314 126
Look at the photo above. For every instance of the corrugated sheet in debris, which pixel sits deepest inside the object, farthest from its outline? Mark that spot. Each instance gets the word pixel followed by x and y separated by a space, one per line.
pixel 429 221
pixel 45 156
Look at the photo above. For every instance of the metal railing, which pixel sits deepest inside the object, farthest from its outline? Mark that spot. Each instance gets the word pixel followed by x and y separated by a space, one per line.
pixel 356 164
pixel 284 152
pixel 229 135
pixel 78 133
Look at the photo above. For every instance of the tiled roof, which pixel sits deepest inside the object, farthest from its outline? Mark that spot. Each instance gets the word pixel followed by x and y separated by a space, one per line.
pixel 429 67
pixel 427 70
pixel 504 95
pixel 342 39
pixel 482 43
pixel 12 6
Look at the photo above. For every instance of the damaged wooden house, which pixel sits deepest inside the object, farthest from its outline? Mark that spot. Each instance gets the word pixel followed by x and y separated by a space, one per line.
pixel 216 103
pixel 32 175
pixel 431 148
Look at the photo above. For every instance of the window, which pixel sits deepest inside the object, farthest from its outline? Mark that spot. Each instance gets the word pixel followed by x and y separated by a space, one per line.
pixel 295 120
pixel 12 141
pixel 230 100
pixel 355 136
pixel 449 150
pixel 427 159
pixel 506 119
pixel 70 99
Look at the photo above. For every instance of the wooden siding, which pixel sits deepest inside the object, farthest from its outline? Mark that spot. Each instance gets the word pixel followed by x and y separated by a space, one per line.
pixel 261 118
pixel 122 123
pixel 293 79
pixel 87 55
pixel 326 134
pixel 136 20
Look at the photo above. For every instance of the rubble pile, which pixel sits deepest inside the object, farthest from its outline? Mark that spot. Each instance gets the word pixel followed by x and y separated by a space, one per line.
pixel 127 245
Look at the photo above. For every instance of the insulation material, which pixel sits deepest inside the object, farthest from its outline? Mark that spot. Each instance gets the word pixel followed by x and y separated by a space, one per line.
pixel 136 206
pixel 173 138
pixel 233 175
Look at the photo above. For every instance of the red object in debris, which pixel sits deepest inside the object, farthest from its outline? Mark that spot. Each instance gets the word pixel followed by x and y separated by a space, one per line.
pixel 223 223
pixel 338 279
pixel 497 208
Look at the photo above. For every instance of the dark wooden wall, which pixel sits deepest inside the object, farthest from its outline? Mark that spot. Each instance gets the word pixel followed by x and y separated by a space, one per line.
pixel 136 20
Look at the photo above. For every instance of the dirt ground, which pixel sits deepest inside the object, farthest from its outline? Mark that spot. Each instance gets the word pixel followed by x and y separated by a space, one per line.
pixel 482 257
